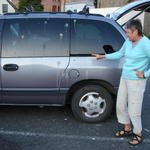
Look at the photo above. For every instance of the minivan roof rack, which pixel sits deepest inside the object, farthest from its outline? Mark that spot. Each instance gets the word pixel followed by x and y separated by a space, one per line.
pixel 85 10
pixel 68 12
pixel 28 9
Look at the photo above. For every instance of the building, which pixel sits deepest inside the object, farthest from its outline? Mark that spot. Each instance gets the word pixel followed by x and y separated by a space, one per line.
pixel 56 5
pixel 5 7
pixel 15 2
pixel 78 5
pixel 49 5
pixel 112 3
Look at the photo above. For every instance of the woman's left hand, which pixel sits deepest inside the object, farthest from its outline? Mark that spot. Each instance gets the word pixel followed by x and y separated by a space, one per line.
pixel 140 74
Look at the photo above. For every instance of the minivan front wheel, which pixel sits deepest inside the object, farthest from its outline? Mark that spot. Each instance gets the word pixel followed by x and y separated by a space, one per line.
pixel 92 103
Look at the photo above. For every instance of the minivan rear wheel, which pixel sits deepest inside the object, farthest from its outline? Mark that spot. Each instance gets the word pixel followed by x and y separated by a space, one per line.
pixel 92 103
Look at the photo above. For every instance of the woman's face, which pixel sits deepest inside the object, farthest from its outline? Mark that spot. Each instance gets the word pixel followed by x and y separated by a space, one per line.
pixel 131 34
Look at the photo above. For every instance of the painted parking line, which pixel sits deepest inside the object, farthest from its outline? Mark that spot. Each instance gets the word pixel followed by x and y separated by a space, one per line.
pixel 76 137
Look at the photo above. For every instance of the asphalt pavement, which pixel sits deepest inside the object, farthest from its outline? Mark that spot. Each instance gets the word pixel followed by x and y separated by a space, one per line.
pixel 55 128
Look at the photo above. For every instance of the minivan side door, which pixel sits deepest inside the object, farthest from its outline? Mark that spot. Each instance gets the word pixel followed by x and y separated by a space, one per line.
pixel 34 56
pixel 89 36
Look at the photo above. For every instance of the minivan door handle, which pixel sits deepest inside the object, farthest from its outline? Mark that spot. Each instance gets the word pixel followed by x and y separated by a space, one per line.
pixel 10 67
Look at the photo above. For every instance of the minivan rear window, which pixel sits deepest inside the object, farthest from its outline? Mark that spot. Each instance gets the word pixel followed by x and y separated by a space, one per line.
pixel 91 36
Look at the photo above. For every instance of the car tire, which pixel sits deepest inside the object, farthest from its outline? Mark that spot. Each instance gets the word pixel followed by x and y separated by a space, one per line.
pixel 92 103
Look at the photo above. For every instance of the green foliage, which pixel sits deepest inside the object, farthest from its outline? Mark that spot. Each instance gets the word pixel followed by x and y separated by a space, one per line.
pixel 36 4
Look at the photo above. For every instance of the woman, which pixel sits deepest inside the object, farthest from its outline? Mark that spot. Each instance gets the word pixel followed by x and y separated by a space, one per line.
pixel 136 50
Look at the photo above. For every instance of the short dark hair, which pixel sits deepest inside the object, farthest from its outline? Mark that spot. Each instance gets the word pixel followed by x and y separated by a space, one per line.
pixel 135 25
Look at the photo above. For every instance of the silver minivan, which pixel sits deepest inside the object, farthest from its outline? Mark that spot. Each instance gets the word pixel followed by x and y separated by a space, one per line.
pixel 46 60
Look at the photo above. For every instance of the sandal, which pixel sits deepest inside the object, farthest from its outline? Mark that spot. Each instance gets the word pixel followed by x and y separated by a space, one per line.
pixel 136 138
pixel 123 133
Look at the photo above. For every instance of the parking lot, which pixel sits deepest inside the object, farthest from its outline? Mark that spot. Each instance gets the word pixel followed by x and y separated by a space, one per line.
pixel 55 128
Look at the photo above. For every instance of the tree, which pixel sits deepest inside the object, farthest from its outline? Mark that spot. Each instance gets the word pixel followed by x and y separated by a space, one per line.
pixel 36 4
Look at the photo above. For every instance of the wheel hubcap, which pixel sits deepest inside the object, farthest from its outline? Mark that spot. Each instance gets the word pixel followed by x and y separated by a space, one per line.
pixel 92 104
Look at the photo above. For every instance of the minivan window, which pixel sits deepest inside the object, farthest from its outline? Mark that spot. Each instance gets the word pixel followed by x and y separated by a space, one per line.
pixel 1 25
pixel 35 37
pixel 91 36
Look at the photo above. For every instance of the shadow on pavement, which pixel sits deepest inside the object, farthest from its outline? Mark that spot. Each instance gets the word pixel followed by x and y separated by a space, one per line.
pixel 8 145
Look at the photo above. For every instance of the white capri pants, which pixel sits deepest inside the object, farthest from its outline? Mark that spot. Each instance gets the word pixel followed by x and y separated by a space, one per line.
pixel 129 102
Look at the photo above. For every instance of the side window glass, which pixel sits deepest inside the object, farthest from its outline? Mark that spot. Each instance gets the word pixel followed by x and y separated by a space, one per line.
pixel 1 25
pixel 90 36
pixel 35 37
